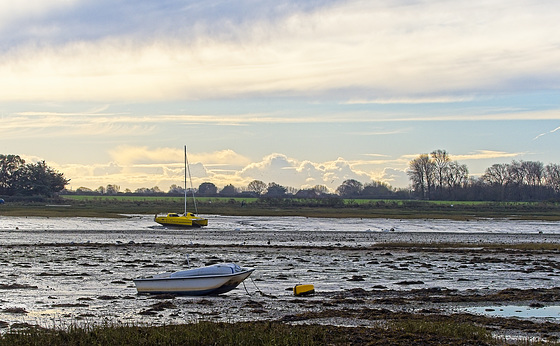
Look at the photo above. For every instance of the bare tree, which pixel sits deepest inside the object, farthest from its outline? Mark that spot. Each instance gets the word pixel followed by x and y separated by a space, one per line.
pixel 497 174
pixel 552 176
pixel 516 173
pixel 457 175
pixel 441 162
pixel 421 172
pixel 321 189
pixel 533 172
pixel 112 189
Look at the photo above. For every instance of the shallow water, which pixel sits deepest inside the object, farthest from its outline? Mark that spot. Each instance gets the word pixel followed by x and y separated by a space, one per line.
pixel 293 230
pixel 56 271
pixel 547 312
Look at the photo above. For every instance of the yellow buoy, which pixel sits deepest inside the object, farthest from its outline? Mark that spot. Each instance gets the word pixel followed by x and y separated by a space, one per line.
pixel 303 290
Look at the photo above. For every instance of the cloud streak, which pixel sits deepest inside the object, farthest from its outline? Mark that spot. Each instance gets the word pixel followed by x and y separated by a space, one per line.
pixel 546 133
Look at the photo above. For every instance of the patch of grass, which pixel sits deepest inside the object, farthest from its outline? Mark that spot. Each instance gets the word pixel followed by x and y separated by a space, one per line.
pixel 254 333
pixel 450 330
pixel 202 333
pixel 115 206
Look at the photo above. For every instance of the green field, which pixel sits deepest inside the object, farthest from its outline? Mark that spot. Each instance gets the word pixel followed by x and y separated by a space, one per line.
pixel 116 206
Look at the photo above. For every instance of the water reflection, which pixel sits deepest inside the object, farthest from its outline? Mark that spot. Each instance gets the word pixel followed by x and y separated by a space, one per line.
pixel 549 312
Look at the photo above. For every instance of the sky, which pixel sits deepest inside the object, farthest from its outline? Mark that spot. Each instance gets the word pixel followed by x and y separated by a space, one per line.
pixel 300 93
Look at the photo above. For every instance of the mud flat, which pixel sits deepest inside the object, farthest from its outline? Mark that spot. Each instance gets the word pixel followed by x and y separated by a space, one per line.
pixel 364 276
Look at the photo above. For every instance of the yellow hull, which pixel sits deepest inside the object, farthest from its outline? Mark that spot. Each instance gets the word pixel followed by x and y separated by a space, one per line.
pixel 303 290
pixel 174 219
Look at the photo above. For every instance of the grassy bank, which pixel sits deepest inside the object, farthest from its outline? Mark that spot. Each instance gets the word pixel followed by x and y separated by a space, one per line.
pixel 113 206
pixel 413 331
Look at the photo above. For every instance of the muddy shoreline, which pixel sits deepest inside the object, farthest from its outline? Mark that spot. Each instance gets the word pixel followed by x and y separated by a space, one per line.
pixel 54 278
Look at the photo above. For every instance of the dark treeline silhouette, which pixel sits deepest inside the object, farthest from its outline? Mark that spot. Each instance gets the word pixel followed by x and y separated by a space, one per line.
pixel 18 178
pixel 436 177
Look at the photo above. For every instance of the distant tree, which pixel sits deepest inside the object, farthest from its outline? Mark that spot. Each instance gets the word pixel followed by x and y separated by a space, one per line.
pixel 497 174
pixel 516 173
pixel 100 190
pixel 552 177
pixel 257 187
pixel 321 189
pixel 207 189
pixel 307 193
pixel 275 190
pixel 112 189
pixel 533 172
pixel 39 179
pixel 457 175
pixel 176 189
pixel 10 166
pixel 377 189
pixel 441 162
pixel 349 188
pixel 83 190
pixel 497 178
pixel 228 191
pixel 291 190
pixel 148 191
pixel 421 172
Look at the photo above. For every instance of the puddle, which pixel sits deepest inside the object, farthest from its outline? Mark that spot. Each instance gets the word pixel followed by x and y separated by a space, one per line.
pixel 549 312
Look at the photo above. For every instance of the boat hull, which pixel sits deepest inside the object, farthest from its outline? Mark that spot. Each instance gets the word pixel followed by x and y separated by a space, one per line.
pixel 192 285
pixel 175 220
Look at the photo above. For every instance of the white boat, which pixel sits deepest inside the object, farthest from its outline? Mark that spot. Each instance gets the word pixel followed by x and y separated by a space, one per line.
pixel 210 280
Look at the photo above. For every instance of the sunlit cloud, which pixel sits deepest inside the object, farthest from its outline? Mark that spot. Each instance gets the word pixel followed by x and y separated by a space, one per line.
pixel 92 75
pixel 410 100
pixel 392 50
pixel 485 154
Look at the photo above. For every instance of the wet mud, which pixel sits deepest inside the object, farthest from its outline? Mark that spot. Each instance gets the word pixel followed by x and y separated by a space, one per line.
pixel 55 278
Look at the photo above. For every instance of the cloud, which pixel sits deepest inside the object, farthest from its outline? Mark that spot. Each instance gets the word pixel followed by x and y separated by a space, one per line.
pixel 485 154
pixel 288 171
pixel 135 167
pixel 410 100
pixel 395 177
pixel 99 121
pixel 332 49
pixel 546 133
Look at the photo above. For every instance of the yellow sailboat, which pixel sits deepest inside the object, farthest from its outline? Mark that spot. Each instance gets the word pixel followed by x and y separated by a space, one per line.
pixel 187 219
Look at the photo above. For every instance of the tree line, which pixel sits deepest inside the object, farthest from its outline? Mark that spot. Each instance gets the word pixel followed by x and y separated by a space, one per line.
pixel 18 178
pixel 432 176
pixel 436 176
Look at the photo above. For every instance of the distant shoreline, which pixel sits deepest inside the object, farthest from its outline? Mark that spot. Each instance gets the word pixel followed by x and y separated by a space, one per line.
pixel 116 206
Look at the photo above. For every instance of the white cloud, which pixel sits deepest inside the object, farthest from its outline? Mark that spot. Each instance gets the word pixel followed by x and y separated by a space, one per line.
pixel 395 177
pixel 14 11
pixel 141 167
pixel 135 167
pixel 390 50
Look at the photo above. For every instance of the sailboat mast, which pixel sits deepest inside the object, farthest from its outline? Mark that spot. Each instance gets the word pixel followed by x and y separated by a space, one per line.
pixel 185 161
pixel 192 188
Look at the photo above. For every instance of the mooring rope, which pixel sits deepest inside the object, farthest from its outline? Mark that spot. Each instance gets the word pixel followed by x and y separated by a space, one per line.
pixel 258 289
